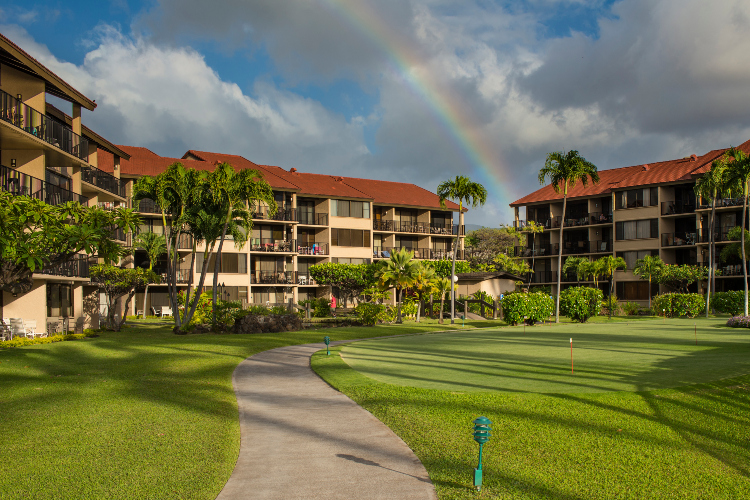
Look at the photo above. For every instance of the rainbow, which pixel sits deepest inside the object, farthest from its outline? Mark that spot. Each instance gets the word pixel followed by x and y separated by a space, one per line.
pixel 455 121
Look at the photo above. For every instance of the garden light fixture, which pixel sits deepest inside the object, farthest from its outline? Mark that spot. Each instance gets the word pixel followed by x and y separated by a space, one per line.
pixel 482 428
pixel 327 340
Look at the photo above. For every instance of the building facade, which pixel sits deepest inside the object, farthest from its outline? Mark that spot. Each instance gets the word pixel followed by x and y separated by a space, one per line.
pixel 631 212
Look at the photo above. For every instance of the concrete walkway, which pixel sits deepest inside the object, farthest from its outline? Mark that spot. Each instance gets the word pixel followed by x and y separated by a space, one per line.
pixel 301 439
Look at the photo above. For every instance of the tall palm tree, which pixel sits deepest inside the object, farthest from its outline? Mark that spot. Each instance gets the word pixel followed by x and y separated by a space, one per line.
pixel 564 170
pixel 424 282
pixel 648 268
pixel 443 286
pixel 710 186
pixel 399 272
pixel 155 246
pixel 609 265
pixel 738 171
pixel 236 191
pixel 462 190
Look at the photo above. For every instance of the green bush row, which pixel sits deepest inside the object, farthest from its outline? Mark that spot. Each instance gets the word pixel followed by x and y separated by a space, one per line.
pixel 679 304
pixel 532 306
pixel 579 303
pixel 732 302
pixel 23 341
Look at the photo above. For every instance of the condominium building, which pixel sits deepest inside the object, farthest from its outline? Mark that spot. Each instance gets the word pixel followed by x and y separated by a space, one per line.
pixel 631 212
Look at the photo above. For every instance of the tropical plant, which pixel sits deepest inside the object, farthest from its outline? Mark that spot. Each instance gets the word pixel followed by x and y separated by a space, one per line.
pixel 484 244
pixel 579 303
pixel 399 272
pixel 679 304
pixel 609 265
pixel 564 170
pixel 443 286
pixel 155 246
pixel 118 282
pixel 738 172
pixel 579 265
pixel 462 190
pixel 649 267
pixel 346 280
pixel 730 302
pixel 528 307
pixel 424 282
pixel 443 267
pixel 679 278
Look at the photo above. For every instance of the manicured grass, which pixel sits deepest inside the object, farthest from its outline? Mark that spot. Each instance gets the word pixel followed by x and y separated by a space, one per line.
pixel 685 442
pixel 138 414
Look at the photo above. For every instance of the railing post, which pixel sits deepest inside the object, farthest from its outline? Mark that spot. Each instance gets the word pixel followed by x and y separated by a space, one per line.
pixel 307 310
pixel 494 309
pixel 289 307
pixel 481 308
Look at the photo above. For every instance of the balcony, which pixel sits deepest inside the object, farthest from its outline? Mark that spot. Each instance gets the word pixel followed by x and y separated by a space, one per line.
pixel 678 239
pixel 305 279
pixel 111 205
pixel 274 278
pixel 419 253
pixel 575 247
pixel 447 230
pixel 103 180
pixel 183 275
pixel 311 218
pixel 271 245
pixel 147 206
pixel 731 270
pixel 601 246
pixel 282 214
pixel 574 220
pixel 719 237
pixel 310 248
pixel 29 120
pixel 600 218
pixel 536 251
pixel 20 184
pixel 76 268
pixel 185 242
pixel 544 277
pixel 117 234
pixel 722 202
pixel 677 208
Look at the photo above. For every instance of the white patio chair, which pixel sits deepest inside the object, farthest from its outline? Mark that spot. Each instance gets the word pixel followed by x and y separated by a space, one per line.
pixel 5 331
pixel 16 327
pixel 166 311
pixel 29 328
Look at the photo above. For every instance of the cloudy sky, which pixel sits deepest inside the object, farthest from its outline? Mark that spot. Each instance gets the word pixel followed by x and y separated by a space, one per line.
pixel 405 90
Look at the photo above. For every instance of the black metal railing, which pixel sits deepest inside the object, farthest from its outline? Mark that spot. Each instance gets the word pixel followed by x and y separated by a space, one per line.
pixel 272 245
pixel 182 275
pixel 677 207
pixel 574 247
pixel 573 220
pixel 419 253
pixel 600 218
pixel 679 239
pixel 28 119
pixel 111 205
pixel 78 267
pixel 312 248
pixel 543 277
pixel 535 251
pixel 722 202
pixel 719 236
pixel 117 234
pixel 731 270
pixel 20 184
pixel 283 213
pixel 103 180
pixel 147 206
pixel 448 229
pixel 273 277
pixel 311 218
pixel 601 246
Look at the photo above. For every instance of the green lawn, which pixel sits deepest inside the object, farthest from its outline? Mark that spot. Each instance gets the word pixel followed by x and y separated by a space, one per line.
pixel 139 414
pixel 599 433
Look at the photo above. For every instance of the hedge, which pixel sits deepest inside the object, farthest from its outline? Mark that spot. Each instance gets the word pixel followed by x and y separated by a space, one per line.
pixel 732 302
pixel 24 341
pixel 532 306
pixel 579 303
pixel 679 304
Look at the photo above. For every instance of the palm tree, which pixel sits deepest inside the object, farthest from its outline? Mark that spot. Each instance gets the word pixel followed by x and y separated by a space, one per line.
pixel 579 265
pixel 739 172
pixel 461 189
pixel 399 272
pixel 236 191
pixel 424 282
pixel 442 286
pixel 709 187
pixel 609 265
pixel 564 170
pixel 648 268
pixel 155 246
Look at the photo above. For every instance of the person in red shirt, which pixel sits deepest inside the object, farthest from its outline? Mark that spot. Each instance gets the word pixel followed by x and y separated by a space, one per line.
pixel 333 306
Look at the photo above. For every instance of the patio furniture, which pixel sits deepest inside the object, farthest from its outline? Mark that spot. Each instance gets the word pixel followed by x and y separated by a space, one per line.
pixel 5 331
pixel 30 329
pixel 16 327
pixel 166 311
pixel 156 311
pixel 302 280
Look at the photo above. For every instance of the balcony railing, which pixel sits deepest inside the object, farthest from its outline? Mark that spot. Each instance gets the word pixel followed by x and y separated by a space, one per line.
pixel 600 218
pixel 574 247
pixel 573 220
pixel 678 239
pixel 271 245
pixel 20 184
pixel 78 267
pixel 309 248
pixel 117 234
pixel 111 205
pixel 147 206
pixel 282 214
pixel 103 180
pixel 543 277
pixel 185 242
pixel 731 270
pixel 448 229
pixel 722 202
pixel 311 218
pixel 676 208
pixel 601 246
pixel 536 251
pixel 719 237
pixel 183 275
pixel 273 278
pixel 419 253
pixel 37 124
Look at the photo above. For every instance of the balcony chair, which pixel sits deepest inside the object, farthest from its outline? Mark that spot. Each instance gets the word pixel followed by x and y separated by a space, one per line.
pixel 30 329
pixel 166 311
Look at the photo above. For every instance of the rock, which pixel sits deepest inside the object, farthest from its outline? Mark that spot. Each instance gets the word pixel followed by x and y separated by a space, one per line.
pixel 273 323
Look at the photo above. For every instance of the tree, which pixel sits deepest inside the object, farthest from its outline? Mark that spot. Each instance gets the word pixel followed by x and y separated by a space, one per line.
pixel 155 246
pixel 346 280
pixel 118 282
pixel 564 170
pixel 399 272
pixel 679 278
pixel 738 172
pixel 578 265
pixel 609 265
pixel 443 267
pixel 424 283
pixel 461 189
pixel 709 186
pixel 35 235
pixel 649 267
pixel 486 243
pixel 443 286
pixel 532 228
pixel 519 267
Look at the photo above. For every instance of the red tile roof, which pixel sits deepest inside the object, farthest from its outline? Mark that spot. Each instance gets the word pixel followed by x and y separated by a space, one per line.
pixel 240 162
pixel 145 162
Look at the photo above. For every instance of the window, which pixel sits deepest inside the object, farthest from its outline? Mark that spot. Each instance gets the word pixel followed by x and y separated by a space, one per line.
pixel 636 198
pixel 346 208
pixel 231 263
pixel 59 300
pixel 632 257
pixel 637 229
pixel 350 237
pixel 634 290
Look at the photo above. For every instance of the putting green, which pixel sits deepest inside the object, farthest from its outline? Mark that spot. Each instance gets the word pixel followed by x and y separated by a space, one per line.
pixel 641 356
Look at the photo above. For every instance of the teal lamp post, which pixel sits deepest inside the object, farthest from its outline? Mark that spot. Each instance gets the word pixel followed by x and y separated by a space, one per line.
pixel 482 428
pixel 327 340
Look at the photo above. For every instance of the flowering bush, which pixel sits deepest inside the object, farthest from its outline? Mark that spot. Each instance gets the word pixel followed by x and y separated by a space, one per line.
pixel 530 306
pixel 679 304
pixel 739 322
pixel 732 302
pixel 579 303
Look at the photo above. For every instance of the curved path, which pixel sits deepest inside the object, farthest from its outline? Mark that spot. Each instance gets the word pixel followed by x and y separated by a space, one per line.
pixel 302 439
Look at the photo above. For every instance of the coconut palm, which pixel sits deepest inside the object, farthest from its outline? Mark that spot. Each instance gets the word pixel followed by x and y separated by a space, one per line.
pixel 564 170
pixel 648 268
pixel 738 172
pixel 578 265
pixel 155 246
pixel 442 286
pixel 462 190
pixel 400 272
pixel 709 187
pixel 609 265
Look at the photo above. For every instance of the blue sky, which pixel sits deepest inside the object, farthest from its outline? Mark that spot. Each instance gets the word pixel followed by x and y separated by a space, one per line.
pixel 293 84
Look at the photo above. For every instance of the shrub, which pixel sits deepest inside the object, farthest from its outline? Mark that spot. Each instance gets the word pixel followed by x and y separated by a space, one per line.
pixel 579 303
pixel 321 307
pixel 605 305
pixel 739 321
pixel 369 313
pixel 679 304
pixel 631 308
pixel 23 341
pixel 533 306
pixel 732 302
pixel 409 307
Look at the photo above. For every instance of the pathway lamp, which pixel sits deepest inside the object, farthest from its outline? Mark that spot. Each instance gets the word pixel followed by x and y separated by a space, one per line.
pixel 327 340
pixel 482 428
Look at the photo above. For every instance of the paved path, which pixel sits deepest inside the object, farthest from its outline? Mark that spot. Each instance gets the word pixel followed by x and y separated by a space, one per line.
pixel 301 439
